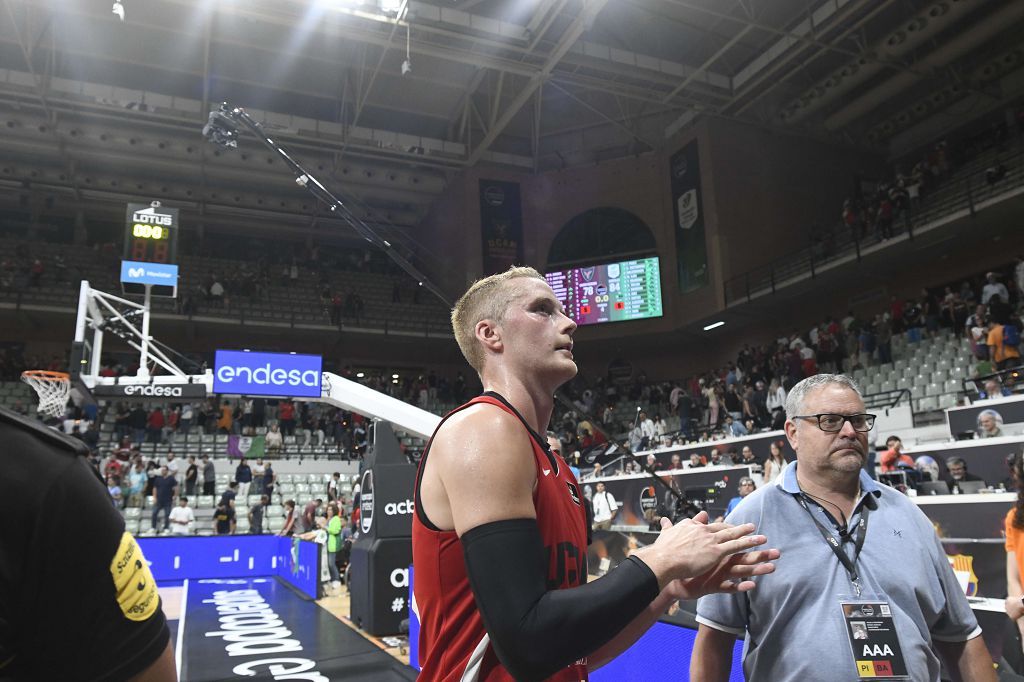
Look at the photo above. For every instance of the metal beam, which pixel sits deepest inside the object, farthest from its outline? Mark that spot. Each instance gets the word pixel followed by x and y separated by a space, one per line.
pixel 819 51
pixel 799 46
pixel 365 95
pixel 540 14
pixel 606 117
pixel 363 36
pixel 119 116
pixel 580 24
pixel 464 129
pixel 469 4
pixel 40 88
pixel 538 32
pixel 708 62
pixel 535 142
pixel 764 27
pixel 461 110
pixel 632 92
pixel 495 101
pixel 654 113
pixel 479 117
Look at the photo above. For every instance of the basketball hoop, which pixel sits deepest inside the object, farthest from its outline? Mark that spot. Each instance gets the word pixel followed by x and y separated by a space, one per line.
pixel 53 389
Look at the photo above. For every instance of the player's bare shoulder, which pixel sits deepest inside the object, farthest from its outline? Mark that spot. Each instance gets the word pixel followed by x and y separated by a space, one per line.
pixel 485 467
pixel 482 435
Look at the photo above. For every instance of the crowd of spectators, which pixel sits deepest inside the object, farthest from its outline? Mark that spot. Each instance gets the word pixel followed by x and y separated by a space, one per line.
pixel 875 211
pixel 167 488
pixel 743 395
pixel 278 421
pixel 747 394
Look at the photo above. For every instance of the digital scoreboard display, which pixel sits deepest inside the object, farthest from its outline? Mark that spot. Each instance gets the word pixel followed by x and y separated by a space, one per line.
pixel 615 292
pixel 150 250
pixel 151 234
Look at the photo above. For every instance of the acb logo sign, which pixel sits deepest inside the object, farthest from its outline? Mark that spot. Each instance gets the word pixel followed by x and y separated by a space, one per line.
pixel 400 577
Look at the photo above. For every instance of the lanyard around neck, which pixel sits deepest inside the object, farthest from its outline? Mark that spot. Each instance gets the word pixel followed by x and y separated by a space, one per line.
pixel 836 546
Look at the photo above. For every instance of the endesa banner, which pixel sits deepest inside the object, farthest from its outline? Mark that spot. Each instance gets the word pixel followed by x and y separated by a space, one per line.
pixel 271 374
pixel 170 392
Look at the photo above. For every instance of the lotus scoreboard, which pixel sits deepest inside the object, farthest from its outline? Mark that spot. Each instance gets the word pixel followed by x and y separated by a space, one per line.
pixel 150 250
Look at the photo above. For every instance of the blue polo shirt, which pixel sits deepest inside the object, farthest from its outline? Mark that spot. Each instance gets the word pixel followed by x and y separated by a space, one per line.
pixel 793 623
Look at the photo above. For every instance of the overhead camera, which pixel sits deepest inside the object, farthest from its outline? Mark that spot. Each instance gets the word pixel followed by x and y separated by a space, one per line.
pixel 406 67
pixel 221 129
pixel 118 9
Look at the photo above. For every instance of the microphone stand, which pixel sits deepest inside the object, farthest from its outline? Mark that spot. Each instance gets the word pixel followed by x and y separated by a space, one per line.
pixel 222 129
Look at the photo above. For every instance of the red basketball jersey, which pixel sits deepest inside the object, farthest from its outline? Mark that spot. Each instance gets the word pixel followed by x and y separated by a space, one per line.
pixel 454 645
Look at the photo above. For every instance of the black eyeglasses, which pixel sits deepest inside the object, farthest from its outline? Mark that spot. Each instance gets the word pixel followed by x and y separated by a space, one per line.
pixel 833 423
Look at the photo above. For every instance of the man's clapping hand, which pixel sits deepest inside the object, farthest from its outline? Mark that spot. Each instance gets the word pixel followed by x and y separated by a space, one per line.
pixel 693 557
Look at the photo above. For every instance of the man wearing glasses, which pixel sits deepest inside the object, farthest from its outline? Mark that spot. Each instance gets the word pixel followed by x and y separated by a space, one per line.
pixel 844 535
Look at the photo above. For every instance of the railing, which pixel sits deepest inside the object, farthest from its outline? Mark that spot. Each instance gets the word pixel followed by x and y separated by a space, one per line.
pixel 965 189
pixel 888 399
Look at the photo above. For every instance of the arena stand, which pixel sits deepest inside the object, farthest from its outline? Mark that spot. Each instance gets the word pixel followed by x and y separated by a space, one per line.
pixel 929 375
pixel 284 301
pixel 965 189
pixel 573 109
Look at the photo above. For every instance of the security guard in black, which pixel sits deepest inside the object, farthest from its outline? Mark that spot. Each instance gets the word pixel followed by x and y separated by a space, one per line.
pixel 77 599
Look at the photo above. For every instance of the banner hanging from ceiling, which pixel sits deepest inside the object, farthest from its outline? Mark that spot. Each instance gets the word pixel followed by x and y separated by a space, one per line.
pixel 688 213
pixel 501 225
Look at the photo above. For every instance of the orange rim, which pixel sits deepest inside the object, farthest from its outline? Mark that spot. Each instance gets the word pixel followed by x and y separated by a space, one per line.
pixel 45 375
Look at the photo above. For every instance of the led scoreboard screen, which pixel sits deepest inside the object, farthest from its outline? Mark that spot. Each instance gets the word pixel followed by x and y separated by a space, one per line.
pixel 151 234
pixel 615 292
pixel 150 250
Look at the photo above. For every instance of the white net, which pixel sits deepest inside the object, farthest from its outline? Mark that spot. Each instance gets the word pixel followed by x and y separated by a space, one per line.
pixel 53 389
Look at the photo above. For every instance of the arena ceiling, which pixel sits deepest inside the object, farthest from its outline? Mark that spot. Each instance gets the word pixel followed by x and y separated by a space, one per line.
pixel 390 98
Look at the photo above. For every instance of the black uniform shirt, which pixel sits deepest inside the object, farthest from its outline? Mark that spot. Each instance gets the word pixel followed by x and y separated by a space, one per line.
pixel 77 599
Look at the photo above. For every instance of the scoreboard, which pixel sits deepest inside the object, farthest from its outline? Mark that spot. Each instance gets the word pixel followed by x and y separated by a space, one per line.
pixel 151 234
pixel 150 250
pixel 615 292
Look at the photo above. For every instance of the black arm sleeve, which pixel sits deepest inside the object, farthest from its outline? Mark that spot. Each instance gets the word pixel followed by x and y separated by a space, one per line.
pixel 536 631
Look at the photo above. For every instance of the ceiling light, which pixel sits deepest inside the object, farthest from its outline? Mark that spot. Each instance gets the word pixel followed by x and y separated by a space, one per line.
pixel 714 325
pixel 359 375
pixel 394 376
